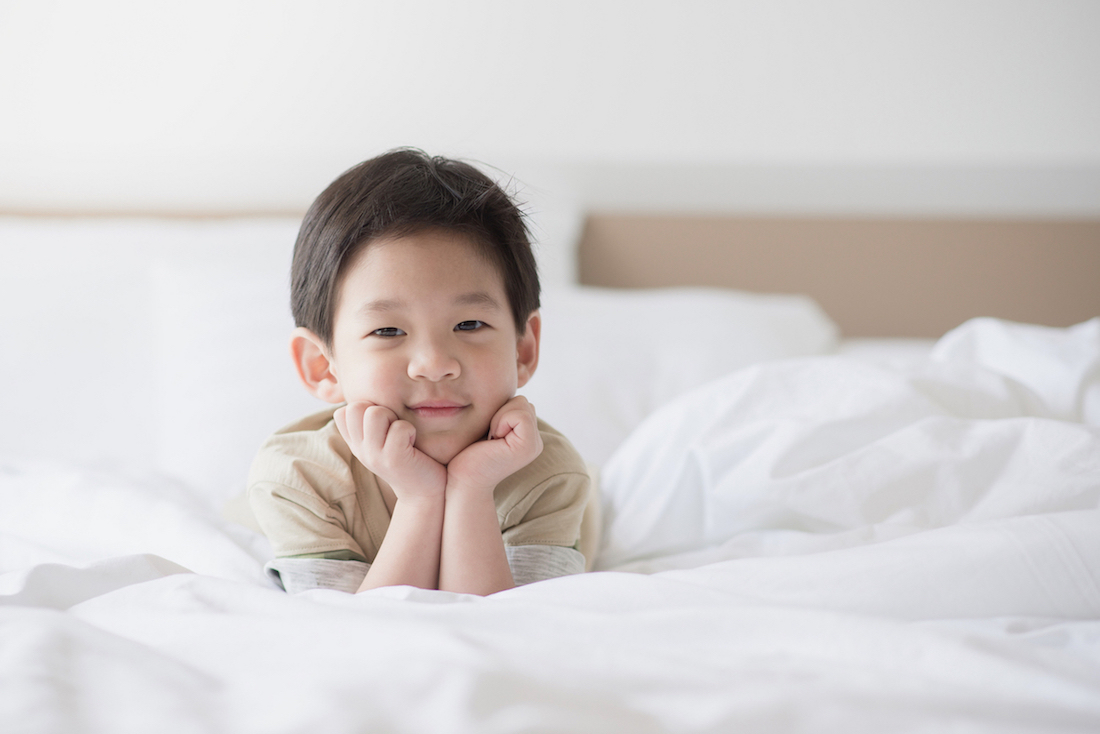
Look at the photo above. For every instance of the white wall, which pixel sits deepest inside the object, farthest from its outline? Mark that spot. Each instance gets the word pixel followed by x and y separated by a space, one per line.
pixel 781 105
pixel 830 106
pixel 221 103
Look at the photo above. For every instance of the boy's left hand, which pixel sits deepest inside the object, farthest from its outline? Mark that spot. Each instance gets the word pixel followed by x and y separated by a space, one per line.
pixel 514 442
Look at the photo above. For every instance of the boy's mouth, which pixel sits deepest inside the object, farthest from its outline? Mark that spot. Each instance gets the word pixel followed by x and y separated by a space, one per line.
pixel 437 409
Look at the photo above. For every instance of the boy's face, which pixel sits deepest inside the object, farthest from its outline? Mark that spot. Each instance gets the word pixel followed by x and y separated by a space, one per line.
pixel 423 327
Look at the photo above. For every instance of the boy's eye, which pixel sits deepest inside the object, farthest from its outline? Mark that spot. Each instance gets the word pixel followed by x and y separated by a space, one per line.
pixel 388 331
pixel 469 325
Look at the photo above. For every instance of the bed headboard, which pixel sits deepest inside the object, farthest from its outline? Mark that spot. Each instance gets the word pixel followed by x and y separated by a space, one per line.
pixel 875 277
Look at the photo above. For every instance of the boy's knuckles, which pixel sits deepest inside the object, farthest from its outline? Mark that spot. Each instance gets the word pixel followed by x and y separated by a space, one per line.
pixel 400 435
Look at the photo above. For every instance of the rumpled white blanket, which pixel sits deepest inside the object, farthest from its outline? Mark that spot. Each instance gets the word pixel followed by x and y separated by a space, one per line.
pixel 825 545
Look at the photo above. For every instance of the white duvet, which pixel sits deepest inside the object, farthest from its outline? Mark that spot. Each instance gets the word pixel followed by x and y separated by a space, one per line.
pixel 815 544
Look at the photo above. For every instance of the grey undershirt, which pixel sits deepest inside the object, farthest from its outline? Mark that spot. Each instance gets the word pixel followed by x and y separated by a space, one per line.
pixel 529 563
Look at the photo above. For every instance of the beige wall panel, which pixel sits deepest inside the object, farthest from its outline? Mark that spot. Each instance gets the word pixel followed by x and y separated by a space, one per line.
pixel 875 277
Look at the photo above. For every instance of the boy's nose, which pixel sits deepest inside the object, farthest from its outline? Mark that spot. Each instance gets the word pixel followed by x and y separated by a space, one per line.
pixel 431 361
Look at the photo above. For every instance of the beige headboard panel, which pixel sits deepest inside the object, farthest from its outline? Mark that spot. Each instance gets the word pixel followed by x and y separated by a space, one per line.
pixel 874 277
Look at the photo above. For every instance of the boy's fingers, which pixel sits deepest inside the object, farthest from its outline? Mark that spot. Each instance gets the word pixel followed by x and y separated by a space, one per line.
pixel 376 425
pixel 349 424
pixel 498 427
pixel 400 437
pixel 517 428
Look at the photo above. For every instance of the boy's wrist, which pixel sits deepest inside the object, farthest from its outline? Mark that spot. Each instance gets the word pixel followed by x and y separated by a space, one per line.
pixel 457 489
pixel 421 505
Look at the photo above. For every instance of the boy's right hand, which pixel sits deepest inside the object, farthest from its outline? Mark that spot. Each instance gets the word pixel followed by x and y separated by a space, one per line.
pixel 386 446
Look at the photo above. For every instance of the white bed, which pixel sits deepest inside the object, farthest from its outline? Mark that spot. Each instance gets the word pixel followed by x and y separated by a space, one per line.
pixel 801 531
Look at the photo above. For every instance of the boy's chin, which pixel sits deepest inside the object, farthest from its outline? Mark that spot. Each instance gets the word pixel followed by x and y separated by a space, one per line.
pixel 443 448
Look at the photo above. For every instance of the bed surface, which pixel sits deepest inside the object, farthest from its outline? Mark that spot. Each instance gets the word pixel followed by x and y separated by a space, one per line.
pixel 804 529
pixel 808 544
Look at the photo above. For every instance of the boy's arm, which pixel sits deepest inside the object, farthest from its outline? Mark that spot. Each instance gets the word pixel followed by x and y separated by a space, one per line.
pixel 409 554
pixel 472 558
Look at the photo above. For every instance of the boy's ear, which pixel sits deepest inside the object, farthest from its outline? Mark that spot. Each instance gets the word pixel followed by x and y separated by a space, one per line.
pixel 527 349
pixel 315 368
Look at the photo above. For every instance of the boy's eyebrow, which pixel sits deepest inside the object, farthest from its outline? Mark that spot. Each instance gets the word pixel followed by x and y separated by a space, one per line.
pixel 475 298
pixel 382 304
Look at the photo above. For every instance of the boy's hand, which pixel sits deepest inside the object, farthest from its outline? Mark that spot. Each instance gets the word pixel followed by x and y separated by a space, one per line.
pixel 385 445
pixel 514 442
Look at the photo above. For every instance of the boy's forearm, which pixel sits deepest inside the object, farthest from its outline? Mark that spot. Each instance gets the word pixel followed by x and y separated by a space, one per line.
pixel 409 554
pixel 472 558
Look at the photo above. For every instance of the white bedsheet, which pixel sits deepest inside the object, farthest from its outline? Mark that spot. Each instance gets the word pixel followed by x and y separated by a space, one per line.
pixel 836 546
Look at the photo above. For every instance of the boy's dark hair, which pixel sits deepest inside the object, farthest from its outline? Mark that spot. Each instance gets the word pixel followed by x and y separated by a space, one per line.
pixel 399 193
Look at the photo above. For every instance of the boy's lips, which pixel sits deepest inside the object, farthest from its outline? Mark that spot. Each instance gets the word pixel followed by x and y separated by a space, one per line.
pixel 437 409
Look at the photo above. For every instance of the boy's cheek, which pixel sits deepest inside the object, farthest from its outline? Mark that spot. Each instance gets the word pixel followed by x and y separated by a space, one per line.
pixel 368 388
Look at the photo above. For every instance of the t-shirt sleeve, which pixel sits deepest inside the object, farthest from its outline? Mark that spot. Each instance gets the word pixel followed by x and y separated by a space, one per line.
pixel 550 513
pixel 299 523
pixel 542 532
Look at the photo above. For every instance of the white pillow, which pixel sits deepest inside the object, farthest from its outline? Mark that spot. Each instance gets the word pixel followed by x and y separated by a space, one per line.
pixel 78 360
pixel 610 357
pixel 225 378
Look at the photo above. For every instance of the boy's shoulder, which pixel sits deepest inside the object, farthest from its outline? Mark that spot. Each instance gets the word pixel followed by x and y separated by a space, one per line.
pixel 312 422
pixel 558 454
pixel 307 453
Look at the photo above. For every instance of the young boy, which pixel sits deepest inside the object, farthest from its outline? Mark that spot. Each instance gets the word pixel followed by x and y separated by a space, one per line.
pixel 415 296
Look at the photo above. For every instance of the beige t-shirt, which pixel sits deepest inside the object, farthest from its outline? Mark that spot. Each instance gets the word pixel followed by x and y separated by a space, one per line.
pixel 311 496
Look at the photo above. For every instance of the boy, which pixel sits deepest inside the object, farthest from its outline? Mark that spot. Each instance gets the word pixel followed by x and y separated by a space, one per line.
pixel 415 298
